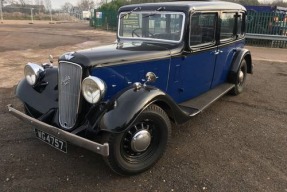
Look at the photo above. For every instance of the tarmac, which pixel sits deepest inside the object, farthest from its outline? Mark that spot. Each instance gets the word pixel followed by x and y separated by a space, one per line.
pixel 268 54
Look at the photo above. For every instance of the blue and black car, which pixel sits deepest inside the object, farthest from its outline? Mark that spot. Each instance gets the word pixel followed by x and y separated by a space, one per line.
pixel 170 61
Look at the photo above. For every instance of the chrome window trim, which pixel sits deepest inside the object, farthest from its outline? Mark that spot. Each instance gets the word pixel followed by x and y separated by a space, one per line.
pixel 230 42
pixel 153 39
pixel 79 95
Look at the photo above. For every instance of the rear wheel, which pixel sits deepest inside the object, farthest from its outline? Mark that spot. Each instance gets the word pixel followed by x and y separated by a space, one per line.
pixel 240 79
pixel 140 146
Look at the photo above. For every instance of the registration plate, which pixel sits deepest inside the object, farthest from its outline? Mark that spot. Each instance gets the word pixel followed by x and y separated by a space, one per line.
pixel 51 140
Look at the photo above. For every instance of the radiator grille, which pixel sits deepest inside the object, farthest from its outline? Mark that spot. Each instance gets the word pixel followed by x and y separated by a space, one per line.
pixel 70 77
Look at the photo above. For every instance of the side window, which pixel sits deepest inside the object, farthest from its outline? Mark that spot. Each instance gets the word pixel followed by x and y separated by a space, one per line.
pixel 240 24
pixel 227 26
pixel 202 29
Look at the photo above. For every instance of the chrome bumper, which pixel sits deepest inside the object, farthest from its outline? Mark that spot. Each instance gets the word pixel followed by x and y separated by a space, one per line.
pixel 102 149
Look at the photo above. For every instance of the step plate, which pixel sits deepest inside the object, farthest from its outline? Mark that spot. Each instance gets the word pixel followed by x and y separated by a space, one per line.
pixel 203 101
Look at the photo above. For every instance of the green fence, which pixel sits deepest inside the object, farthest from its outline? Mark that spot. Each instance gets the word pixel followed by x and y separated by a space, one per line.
pixel 269 23
pixel 266 23
pixel 104 20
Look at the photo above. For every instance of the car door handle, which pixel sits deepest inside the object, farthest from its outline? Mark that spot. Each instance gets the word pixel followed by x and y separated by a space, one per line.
pixel 216 52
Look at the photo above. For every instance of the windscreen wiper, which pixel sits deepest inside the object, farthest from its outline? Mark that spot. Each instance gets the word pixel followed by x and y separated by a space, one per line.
pixel 128 13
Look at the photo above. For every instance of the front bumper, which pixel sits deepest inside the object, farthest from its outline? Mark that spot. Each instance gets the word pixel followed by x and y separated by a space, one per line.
pixel 102 149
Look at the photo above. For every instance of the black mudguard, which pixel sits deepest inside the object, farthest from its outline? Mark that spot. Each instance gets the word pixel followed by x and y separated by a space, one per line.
pixel 43 96
pixel 239 56
pixel 130 103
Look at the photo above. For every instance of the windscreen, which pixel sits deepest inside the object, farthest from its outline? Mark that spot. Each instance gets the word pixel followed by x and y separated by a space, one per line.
pixel 164 26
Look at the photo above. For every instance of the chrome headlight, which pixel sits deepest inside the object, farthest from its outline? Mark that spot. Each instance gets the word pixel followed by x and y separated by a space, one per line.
pixel 93 89
pixel 32 73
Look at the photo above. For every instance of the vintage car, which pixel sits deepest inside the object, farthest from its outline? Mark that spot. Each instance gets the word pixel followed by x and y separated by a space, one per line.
pixel 170 61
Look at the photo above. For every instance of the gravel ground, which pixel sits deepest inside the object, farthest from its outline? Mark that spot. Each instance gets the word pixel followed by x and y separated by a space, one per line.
pixel 237 144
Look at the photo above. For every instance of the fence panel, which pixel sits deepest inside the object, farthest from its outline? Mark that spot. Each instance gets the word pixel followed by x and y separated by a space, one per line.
pixel 267 23
pixel 17 12
pixel 106 20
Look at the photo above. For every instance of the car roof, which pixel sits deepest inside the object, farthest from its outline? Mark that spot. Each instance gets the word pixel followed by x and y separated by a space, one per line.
pixel 186 6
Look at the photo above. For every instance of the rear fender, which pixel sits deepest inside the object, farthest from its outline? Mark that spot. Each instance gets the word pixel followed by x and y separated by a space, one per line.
pixel 239 56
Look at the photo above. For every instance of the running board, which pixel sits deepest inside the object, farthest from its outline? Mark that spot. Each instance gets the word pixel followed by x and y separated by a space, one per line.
pixel 198 104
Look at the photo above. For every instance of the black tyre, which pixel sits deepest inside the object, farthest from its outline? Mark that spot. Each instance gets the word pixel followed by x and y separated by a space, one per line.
pixel 240 79
pixel 142 145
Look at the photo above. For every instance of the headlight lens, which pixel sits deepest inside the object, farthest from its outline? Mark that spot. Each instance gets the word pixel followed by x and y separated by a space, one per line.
pixel 32 73
pixel 93 89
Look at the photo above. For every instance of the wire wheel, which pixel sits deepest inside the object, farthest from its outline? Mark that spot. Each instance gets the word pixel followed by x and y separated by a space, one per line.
pixel 141 145
pixel 240 79
pixel 140 141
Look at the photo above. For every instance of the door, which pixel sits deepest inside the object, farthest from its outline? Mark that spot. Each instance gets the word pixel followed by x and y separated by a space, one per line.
pixel 230 39
pixel 191 74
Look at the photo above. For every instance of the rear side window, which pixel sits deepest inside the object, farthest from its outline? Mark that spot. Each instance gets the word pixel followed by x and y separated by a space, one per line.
pixel 240 24
pixel 227 26
pixel 202 29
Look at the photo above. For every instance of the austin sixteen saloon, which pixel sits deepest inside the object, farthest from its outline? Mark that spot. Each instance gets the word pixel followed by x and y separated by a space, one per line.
pixel 170 61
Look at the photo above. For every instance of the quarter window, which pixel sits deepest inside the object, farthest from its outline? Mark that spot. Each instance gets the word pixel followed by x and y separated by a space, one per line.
pixel 227 26
pixel 240 24
pixel 202 29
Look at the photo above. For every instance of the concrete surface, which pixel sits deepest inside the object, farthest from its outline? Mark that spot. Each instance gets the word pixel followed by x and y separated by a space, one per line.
pixel 268 54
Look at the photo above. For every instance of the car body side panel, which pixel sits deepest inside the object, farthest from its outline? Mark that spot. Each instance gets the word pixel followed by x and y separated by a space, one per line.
pixel 191 75
pixel 224 61
pixel 118 77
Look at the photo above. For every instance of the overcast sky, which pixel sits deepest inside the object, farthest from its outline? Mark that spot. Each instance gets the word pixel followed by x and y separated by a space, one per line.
pixel 56 4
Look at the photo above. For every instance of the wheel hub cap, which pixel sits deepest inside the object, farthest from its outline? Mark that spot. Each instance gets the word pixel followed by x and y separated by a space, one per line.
pixel 241 76
pixel 140 141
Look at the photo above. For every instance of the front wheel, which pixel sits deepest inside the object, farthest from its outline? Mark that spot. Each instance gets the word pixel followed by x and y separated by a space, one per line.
pixel 240 79
pixel 140 146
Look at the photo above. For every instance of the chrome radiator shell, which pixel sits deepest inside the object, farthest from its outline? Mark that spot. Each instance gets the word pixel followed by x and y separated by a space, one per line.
pixel 69 85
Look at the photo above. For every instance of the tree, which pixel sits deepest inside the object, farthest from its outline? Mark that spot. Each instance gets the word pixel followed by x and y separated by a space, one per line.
pixel 245 2
pixel 9 1
pixel 2 2
pixel 281 4
pixel 67 8
pixel 22 3
pixel 113 5
pixel 86 5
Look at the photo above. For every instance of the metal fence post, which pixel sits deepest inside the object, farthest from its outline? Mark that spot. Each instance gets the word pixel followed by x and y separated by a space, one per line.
pixel 32 19
pixel 51 22
pixel 1 12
